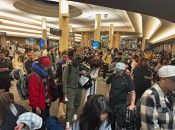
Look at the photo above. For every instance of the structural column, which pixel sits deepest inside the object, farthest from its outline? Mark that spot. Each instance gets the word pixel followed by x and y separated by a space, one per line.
pixel 161 47
pixel 173 50
pixel 90 38
pixel 82 39
pixel 166 47
pixel 3 40
pixel 111 32
pixel 86 40
pixel 97 27
pixel 64 24
pixel 117 40
pixel 73 40
pixel 143 44
pixel 70 36
pixel 44 31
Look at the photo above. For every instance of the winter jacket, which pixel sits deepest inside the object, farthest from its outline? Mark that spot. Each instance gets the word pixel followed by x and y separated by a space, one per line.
pixel 37 92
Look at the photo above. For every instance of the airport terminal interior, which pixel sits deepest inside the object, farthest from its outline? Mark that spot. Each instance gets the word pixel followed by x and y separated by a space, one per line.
pixel 64 61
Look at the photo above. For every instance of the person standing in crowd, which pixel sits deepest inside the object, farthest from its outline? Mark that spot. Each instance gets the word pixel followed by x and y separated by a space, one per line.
pixel 36 52
pixel 44 51
pixel 142 77
pixel 71 88
pixel 163 62
pixel 158 104
pixel 9 112
pixel 121 84
pixel 134 62
pixel 11 54
pixel 94 74
pixel 95 115
pixel 60 65
pixel 52 57
pixel 5 51
pixel 118 57
pixel 27 49
pixel 39 92
pixel 28 62
pixel 5 69
pixel 107 59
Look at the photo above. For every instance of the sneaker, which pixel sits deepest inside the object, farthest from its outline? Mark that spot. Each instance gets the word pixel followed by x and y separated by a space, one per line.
pixel 74 117
pixel 67 125
pixel 104 80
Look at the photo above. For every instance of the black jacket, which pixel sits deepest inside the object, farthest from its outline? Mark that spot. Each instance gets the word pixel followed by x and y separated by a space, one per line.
pixel 6 64
pixel 9 121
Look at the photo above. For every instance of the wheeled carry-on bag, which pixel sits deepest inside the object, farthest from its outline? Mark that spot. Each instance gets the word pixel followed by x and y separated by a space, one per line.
pixel 125 119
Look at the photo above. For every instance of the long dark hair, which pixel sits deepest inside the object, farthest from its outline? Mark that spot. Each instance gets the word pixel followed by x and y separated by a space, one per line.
pixel 94 107
pixel 5 103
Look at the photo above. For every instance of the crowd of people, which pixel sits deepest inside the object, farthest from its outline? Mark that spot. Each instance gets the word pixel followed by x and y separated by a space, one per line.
pixel 135 77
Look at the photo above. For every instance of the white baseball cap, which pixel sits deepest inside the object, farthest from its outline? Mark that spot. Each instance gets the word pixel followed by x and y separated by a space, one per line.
pixel 167 71
pixel 120 67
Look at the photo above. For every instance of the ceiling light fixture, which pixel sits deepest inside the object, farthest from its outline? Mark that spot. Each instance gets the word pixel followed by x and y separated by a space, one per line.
pixel 156 25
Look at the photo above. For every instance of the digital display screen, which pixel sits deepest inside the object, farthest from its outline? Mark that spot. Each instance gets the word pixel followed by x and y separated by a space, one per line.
pixel 31 39
pixel 41 43
pixel 95 44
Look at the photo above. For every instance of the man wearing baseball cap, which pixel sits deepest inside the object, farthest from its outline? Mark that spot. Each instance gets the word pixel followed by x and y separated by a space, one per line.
pixel 158 104
pixel 40 97
pixel 121 84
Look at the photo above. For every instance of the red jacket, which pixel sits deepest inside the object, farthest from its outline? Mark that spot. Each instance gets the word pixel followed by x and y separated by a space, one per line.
pixel 37 92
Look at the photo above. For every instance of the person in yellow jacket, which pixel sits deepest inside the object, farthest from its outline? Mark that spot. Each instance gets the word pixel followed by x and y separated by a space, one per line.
pixel 107 59
pixel 148 55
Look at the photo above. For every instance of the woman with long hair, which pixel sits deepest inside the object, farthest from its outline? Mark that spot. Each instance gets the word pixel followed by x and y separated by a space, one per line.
pixel 142 77
pixel 95 115
pixel 9 112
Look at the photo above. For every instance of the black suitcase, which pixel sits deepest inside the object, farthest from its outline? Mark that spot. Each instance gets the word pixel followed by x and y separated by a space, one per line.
pixel 124 119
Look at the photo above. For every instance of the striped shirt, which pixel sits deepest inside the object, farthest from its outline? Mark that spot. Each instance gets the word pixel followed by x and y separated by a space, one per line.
pixel 153 118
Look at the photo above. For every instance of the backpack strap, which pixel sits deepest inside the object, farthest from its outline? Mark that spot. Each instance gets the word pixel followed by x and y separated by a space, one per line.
pixel 69 65
pixel 126 81
pixel 36 76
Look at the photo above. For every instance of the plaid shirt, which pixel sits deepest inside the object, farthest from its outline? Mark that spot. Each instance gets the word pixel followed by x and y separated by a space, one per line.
pixel 157 119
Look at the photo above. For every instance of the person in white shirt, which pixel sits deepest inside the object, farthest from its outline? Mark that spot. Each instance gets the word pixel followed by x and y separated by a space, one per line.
pixel 94 74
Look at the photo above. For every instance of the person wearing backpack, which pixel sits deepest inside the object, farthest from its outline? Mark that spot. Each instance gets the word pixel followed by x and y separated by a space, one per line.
pixel 40 97
pixel 158 102
pixel 121 84
pixel 71 88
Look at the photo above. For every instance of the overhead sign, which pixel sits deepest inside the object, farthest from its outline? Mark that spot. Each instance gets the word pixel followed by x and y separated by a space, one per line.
pixel 71 34
pixel 55 31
